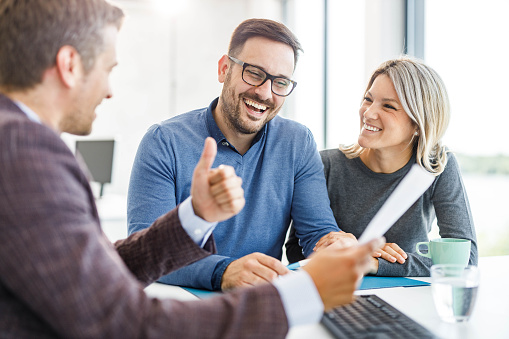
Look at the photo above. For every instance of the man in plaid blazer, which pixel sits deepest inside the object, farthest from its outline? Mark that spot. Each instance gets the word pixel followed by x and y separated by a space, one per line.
pixel 59 274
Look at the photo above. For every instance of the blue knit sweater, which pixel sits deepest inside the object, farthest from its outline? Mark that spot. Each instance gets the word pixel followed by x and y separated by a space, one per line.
pixel 282 177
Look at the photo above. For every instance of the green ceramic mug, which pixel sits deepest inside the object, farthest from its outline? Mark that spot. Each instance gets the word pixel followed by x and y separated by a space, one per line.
pixel 446 251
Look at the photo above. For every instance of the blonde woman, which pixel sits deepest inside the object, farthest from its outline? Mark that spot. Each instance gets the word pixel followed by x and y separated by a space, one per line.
pixel 403 117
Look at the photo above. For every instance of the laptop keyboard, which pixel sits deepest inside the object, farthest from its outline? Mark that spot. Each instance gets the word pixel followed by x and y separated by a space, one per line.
pixel 372 317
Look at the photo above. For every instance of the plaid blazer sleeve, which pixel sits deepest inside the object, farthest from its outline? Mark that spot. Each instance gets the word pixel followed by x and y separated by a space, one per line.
pixel 61 277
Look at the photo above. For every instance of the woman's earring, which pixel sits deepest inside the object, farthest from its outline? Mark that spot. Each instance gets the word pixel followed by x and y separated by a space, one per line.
pixel 416 133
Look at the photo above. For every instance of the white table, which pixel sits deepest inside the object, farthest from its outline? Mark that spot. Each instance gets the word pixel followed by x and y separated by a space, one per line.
pixel 490 318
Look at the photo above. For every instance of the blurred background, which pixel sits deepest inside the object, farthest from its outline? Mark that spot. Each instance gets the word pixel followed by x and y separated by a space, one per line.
pixel 168 52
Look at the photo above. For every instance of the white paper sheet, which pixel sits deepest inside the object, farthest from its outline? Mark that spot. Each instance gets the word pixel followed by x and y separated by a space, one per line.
pixel 413 185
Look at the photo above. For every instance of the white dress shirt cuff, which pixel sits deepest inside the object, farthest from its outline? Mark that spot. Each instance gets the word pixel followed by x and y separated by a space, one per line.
pixel 198 229
pixel 300 298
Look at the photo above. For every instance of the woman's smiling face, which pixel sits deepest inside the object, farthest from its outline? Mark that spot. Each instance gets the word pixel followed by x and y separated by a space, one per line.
pixel 385 126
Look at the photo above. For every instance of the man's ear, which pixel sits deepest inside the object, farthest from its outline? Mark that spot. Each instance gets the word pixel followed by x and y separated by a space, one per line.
pixel 223 66
pixel 69 66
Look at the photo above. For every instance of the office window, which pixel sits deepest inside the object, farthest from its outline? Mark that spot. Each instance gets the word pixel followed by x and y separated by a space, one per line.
pixel 359 36
pixel 466 42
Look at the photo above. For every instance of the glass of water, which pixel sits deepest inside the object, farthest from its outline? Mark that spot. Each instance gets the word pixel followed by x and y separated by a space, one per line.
pixel 454 291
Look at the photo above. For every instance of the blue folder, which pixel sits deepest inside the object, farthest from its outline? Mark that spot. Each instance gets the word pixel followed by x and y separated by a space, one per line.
pixel 385 282
pixel 366 284
pixel 202 294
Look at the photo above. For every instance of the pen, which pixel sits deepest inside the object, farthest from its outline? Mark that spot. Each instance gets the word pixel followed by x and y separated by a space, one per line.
pixel 297 264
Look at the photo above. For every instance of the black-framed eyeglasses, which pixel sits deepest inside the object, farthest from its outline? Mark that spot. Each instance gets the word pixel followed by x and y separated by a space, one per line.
pixel 255 76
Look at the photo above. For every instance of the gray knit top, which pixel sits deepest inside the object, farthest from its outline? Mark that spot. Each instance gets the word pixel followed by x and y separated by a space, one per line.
pixel 356 193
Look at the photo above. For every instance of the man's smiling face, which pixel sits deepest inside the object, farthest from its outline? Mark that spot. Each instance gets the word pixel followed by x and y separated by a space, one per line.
pixel 245 108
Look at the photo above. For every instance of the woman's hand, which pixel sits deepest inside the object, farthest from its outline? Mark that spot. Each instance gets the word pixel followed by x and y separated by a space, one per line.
pixel 392 253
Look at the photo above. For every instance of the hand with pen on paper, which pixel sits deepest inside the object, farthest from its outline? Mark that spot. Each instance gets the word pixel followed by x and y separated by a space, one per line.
pixel 252 269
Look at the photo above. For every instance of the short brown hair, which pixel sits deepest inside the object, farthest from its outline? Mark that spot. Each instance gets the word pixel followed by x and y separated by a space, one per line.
pixel 269 29
pixel 33 31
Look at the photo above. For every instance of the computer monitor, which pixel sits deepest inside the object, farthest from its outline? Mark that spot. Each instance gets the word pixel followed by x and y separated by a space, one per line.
pixel 98 156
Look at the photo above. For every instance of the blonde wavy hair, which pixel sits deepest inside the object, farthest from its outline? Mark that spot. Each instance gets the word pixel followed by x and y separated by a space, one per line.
pixel 424 98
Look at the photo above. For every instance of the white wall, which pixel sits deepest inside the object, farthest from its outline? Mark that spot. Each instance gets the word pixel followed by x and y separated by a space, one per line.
pixel 168 52
pixel 347 73
pixel 385 31
pixel 361 34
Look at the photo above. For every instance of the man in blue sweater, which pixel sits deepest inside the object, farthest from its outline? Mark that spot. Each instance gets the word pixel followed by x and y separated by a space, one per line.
pixel 276 158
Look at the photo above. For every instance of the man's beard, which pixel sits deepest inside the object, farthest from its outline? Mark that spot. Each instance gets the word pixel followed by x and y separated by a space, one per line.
pixel 232 105
pixel 77 123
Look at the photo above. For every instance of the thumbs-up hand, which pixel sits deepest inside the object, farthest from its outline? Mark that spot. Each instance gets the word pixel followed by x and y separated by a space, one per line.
pixel 217 194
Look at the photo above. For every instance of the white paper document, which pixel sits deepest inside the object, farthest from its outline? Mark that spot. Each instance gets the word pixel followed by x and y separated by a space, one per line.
pixel 413 185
